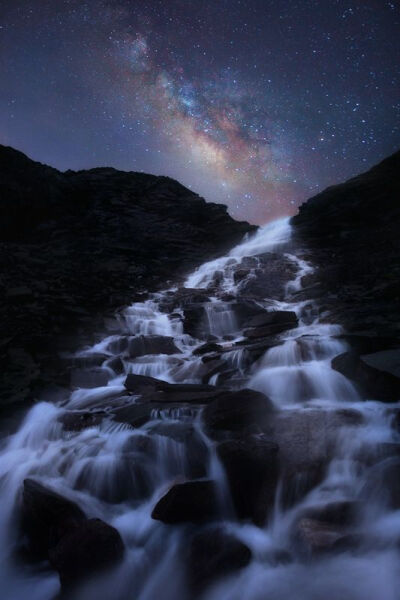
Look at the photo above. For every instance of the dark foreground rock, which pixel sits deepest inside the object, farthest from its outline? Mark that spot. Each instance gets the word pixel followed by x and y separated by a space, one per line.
pixel 237 412
pixel 191 501
pixel 47 517
pixel 214 553
pixel 85 551
pixel 76 246
pixel 377 375
pixel 252 469
pixel 57 529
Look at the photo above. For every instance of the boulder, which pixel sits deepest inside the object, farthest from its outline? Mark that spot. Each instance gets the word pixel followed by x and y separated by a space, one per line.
pixel 276 317
pixel 155 390
pixel 78 421
pixel 214 553
pixel 383 484
pixel 207 348
pixel 252 470
pixel 236 411
pixel 269 323
pixel 377 375
pixel 86 550
pixel 314 537
pixel 46 517
pixel 191 501
pixel 151 344
pixel 306 439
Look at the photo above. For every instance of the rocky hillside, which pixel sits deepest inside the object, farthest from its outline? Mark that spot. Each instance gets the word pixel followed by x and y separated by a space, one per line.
pixel 76 246
pixel 351 233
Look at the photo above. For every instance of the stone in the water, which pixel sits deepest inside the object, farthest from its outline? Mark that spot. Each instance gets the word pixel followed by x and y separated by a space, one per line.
pixel 77 420
pixel 252 469
pixel 215 553
pixel 277 317
pixel 235 411
pixel 151 344
pixel 46 517
pixel 191 501
pixel 86 550
pixel 377 375
pixel 314 537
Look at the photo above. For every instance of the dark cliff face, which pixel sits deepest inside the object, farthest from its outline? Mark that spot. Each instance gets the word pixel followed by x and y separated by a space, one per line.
pixel 351 232
pixel 76 246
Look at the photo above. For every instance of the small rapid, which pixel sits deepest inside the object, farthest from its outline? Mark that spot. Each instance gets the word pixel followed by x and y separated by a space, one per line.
pixel 115 456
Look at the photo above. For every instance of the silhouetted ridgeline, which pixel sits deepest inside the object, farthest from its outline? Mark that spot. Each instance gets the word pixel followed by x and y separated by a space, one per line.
pixel 351 233
pixel 75 246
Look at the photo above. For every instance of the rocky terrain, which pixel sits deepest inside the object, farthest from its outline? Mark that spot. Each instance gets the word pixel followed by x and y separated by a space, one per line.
pixel 77 246
pixel 350 232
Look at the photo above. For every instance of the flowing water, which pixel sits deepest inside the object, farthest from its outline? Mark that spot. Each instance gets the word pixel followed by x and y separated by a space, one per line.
pixel 104 469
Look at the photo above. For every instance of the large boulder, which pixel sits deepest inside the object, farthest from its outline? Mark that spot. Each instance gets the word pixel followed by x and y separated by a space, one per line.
pixel 377 375
pixel 214 553
pixel 191 501
pixel 46 517
pixel 85 551
pixel 307 441
pixel 58 530
pixel 237 411
pixel 252 468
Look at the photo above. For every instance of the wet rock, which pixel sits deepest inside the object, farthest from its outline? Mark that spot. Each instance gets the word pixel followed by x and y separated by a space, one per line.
pixel 270 274
pixel 377 375
pixel 78 421
pixel 46 517
pixel 252 468
pixel 90 548
pixel 151 344
pixel 192 501
pixel 116 479
pixel 235 411
pixel 155 390
pixel 195 451
pixel 116 365
pixel 207 348
pixel 306 439
pixel 277 317
pixel 193 321
pixel 214 553
pixel 270 323
pixel 383 484
pixel 342 513
pixel 314 537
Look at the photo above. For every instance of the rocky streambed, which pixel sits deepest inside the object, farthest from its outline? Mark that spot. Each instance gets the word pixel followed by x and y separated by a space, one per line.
pixel 210 448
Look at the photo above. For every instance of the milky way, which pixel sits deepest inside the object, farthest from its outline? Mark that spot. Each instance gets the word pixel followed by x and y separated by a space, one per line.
pixel 252 103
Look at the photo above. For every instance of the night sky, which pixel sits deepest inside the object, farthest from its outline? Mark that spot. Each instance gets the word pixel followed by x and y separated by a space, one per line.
pixel 258 104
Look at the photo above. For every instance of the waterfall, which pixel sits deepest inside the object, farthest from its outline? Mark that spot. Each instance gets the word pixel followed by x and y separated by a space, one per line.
pixel 117 471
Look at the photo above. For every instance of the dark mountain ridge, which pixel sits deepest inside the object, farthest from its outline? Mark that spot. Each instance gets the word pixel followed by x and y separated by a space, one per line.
pixel 76 246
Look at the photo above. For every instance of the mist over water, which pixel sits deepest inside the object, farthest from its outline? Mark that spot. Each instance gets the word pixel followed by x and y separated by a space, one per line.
pixel 103 469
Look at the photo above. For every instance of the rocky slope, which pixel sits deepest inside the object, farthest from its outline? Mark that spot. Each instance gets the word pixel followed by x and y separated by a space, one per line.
pixel 76 246
pixel 350 232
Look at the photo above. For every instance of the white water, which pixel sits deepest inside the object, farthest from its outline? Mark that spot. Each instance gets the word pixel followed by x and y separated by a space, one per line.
pixel 105 471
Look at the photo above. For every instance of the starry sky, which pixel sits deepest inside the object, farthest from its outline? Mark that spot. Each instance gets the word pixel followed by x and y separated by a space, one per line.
pixel 258 104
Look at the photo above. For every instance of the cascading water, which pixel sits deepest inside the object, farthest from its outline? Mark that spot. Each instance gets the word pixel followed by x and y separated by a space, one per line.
pixel 108 470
